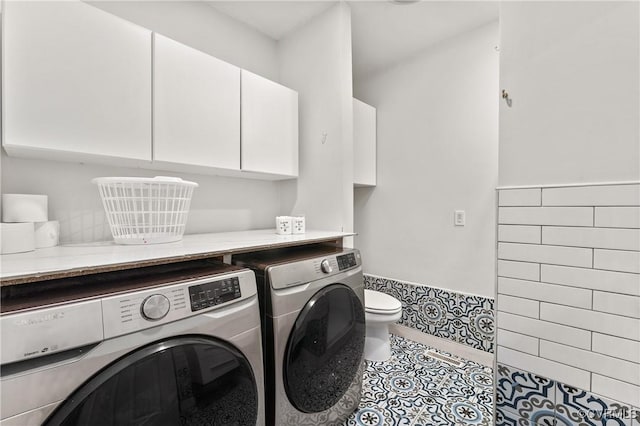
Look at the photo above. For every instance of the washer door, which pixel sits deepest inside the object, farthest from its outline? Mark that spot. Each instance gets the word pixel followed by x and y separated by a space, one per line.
pixel 181 381
pixel 324 349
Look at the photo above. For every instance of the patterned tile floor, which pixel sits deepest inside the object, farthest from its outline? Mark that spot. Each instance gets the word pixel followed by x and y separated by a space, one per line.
pixel 413 389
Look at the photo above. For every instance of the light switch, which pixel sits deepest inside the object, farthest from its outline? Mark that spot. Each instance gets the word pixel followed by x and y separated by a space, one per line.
pixel 459 218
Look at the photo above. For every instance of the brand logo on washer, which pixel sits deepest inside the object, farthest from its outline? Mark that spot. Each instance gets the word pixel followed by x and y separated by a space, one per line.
pixel 40 320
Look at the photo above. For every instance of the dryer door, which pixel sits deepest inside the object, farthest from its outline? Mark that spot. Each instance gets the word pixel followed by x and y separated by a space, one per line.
pixel 180 381
pixel 325 349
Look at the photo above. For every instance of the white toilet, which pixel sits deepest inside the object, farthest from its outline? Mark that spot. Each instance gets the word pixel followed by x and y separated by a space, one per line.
pixel 380 311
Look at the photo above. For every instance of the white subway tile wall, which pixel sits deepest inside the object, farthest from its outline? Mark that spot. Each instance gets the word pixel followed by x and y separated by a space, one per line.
pixel 518 305
pixel 615 389
pixel 550 216
pixel 518 342
pixel 593 195
pixel 617 347
pixel 543 330
pixel 569 286
pixel 606 238
pixel 519 234
pixel 524 270
pixel 617 260
pixel 562 372
pixel 616 304
pixel 534 290
pixel 520 197
pixel 613 282
pixel 618 217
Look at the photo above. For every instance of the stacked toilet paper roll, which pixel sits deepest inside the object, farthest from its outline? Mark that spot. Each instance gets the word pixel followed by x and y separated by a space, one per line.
pixel 20 208
pixel 17 237
pixel 47 234
pixel 26 225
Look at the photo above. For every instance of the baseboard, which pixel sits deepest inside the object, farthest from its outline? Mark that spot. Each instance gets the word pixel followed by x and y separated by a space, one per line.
pixel 463 351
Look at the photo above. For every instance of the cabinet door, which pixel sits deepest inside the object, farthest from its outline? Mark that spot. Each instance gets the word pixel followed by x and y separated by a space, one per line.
pixel 196 103
pixel 364 144
pixel 269 126
pixel 77 81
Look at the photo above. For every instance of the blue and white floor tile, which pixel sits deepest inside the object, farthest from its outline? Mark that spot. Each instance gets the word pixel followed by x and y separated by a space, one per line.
pixel 415 389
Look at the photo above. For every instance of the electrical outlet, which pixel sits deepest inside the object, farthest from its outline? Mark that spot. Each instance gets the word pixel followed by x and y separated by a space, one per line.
pixel 459 218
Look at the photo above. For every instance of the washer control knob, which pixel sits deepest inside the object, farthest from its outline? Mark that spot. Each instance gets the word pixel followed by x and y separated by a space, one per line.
pixel 326 267
pixel 155 307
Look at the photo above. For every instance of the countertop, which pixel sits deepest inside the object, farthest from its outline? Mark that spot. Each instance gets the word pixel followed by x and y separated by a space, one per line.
pixel 80 259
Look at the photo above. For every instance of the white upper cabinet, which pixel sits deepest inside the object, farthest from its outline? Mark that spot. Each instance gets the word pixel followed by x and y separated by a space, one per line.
pixel 196 103
pixel 364 144
pixel 77 82
pixel 269 127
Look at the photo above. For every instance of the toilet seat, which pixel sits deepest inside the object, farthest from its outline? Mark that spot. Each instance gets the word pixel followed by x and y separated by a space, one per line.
pixel 376 302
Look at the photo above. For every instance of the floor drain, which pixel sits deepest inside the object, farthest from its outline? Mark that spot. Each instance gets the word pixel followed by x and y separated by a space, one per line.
pixel 433 354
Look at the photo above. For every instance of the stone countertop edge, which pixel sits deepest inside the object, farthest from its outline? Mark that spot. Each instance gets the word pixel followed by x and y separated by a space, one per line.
pixel 71 260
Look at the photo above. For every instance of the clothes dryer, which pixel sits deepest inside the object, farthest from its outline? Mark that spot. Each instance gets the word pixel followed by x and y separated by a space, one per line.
pixel 312 304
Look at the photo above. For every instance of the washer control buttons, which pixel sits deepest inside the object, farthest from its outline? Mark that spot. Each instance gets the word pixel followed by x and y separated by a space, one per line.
pixel 214 293
pixel 326 266
pixel 155 307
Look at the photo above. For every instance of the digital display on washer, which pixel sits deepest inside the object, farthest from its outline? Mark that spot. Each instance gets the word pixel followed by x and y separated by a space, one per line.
pixel 346 261
pixel 213 293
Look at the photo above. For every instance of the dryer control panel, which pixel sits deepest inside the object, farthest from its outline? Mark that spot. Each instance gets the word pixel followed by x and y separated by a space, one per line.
pixel 304 271
pixel 213 293
pixel 346 261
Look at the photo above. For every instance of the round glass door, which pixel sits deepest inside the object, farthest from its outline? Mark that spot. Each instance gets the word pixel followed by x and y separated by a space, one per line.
pixel 182 381
pixel 324 349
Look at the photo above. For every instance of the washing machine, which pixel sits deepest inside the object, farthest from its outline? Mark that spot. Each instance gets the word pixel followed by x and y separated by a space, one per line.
pixel 312 302
pixel 169 345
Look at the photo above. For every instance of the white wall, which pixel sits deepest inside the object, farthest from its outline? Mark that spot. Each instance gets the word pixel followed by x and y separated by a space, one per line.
pixel 575 86
pixel 437 152
pixel 573 71
pixel 316 61
pixel 219 204
pixel 199 25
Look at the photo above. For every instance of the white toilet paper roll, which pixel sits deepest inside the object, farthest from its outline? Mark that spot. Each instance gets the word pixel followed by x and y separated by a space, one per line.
pixel 47 233
pixel 24 208
pixel 17 237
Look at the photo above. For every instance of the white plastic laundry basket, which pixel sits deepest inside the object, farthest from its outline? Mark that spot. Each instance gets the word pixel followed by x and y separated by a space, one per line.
pixel 146 210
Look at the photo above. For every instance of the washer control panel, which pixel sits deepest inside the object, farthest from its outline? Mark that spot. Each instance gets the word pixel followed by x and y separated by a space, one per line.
pixel 213 293
pixel 135 311
pixel 346 261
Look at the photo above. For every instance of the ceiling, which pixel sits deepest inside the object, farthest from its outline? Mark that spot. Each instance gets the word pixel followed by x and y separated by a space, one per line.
pixel 273 18
pixel 383 32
